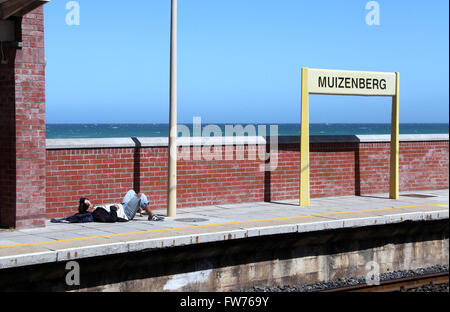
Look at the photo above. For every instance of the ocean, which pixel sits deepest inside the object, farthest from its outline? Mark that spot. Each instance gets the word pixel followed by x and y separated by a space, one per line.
pixel 68 131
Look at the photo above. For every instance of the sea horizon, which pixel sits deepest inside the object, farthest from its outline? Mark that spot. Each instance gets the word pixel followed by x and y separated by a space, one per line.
pixel 122 130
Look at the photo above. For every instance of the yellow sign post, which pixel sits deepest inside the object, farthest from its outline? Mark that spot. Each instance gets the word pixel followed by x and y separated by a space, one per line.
pixel 340 82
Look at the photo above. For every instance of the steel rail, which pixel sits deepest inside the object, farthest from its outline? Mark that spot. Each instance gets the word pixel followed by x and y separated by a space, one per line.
pixel 398 285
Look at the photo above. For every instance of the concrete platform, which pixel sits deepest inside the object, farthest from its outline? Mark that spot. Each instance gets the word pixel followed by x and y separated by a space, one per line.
pixel 64 242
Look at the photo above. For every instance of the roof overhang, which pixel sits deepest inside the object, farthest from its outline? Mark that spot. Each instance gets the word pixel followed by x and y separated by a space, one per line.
pixel 9 8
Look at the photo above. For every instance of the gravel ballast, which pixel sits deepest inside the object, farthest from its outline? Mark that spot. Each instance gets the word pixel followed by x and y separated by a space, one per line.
pixel 360 281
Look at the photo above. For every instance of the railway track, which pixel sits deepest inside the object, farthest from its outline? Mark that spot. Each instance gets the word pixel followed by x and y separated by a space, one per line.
pixel 403 284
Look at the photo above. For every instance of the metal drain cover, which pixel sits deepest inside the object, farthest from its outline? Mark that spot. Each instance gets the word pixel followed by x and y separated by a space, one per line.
pixel 191 220
pixel 419 195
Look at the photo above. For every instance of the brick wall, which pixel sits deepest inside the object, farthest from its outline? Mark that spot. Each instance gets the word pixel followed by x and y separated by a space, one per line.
pixel 339 169
pixel 22 83
pixel 106 174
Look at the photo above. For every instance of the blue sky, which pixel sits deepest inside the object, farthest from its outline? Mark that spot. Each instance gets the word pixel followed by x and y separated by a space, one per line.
pixel 240 60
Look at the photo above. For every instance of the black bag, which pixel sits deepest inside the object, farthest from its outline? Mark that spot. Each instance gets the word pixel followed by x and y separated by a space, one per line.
pixel 101 215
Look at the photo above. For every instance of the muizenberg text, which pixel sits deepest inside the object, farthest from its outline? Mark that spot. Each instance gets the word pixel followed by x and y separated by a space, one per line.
pixel 352 83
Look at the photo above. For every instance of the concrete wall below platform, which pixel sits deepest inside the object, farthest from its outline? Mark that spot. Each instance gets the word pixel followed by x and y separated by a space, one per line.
pixel 105 169
pixel 294 259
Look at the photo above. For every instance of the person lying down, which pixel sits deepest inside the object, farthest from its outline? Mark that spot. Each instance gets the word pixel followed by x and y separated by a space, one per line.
pixel 124 212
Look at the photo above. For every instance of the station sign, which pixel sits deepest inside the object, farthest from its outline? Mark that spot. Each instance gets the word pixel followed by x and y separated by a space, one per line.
pixel 345 82
pixel 341 82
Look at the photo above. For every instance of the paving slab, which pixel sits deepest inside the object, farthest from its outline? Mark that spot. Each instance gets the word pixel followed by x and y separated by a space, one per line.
pixel 91 232
pixel 94 250
pixel 63 235
pixel 77 243
pixel 25 256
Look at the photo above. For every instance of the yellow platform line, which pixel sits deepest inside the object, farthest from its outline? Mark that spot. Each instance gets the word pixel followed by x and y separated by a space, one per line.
pixel 218 224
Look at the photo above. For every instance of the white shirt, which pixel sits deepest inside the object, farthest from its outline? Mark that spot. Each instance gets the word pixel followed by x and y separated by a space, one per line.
pixel 120 210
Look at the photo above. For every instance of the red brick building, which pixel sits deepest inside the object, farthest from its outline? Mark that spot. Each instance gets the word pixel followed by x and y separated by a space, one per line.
pixel 22 102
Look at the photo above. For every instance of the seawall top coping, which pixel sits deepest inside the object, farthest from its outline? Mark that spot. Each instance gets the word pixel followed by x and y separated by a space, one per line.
pixel 373 138
pixel 56 144
pixel 150 142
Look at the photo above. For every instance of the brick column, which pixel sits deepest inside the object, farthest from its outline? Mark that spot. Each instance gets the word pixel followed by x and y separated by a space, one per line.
pixel 23 152
pixel 7 141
